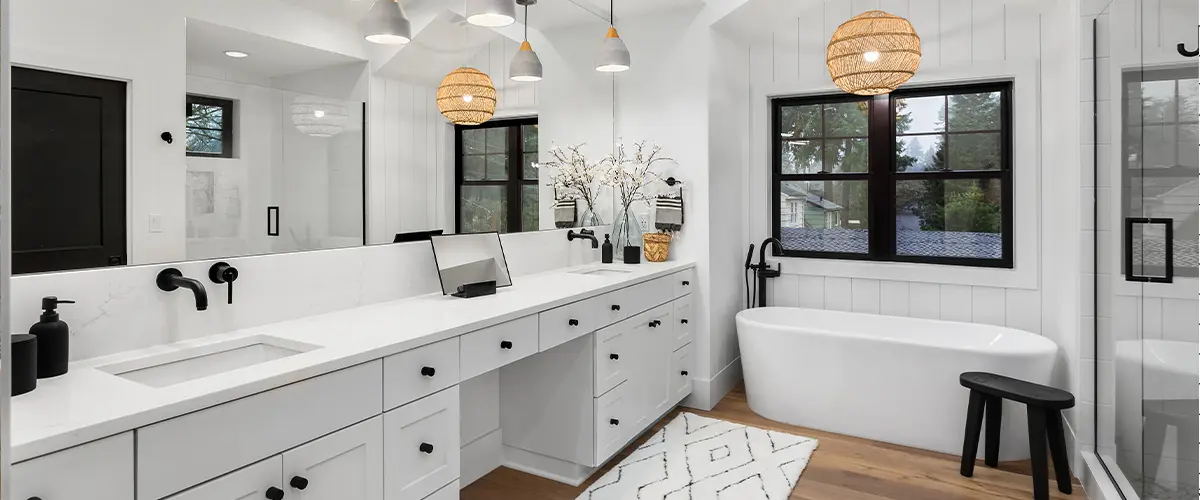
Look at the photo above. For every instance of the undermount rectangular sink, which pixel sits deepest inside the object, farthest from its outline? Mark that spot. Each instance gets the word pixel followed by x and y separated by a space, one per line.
pixel 184 365
pixel 600 272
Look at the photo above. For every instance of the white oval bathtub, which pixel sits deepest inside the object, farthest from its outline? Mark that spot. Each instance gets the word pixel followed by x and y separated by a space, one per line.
pixel 884 378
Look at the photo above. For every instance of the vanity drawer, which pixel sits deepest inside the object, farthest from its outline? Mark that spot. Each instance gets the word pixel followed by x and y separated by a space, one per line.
pixel 564 324
pixel 613 354
pixel 681 376
pixel 649 294
pixel 250 482
pixel 191 449
pixel 421 446
pixel 448 492
pixel 685 331
pixel 412 375
pixel 614 422
pixel 684 282
pixel 99 470
pixel 490 348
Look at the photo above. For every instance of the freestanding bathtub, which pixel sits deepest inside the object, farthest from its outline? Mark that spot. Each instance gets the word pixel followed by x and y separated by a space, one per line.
pixel 883 378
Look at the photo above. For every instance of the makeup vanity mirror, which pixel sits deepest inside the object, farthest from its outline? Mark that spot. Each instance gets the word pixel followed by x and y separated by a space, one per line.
pixel 270 126
pixel 466 259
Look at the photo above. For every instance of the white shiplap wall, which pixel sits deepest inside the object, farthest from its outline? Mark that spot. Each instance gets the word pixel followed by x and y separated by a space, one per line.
pixel 513 98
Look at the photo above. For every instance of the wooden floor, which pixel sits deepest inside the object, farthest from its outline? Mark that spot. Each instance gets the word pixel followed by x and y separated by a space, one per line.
pixel 843 468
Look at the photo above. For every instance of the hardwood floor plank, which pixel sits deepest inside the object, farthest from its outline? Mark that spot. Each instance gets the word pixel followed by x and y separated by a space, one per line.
pixel 843 468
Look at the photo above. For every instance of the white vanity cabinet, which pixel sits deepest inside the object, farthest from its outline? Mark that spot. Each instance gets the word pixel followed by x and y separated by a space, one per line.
pixel 253 482
pixel 421 446
pixel 99 470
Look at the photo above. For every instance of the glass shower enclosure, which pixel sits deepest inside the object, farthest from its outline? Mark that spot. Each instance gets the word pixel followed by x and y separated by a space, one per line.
pixel 1143 366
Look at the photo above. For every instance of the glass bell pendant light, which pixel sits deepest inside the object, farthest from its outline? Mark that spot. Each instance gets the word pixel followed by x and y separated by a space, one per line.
pixel 491 13
pixel 526 67
pixel 613 55
pixel 386 24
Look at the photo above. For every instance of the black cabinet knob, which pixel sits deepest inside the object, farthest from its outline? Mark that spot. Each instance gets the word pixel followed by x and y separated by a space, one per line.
pixel 428 371
pixel 573 322
pixel 427 448
pixel 35 498
pixel 684 373
pixel 274 493
pixel 614 357
pixel 616 307
pixel 653 324
pixel 614 422
pixel 687 283
pixel 504 344
pixel 298 482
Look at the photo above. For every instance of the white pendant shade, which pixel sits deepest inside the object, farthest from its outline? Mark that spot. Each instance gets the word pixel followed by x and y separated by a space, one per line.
pixel 526 67
pixel 491 13
pixel 386 24
pixel 613 55
pixel 318 116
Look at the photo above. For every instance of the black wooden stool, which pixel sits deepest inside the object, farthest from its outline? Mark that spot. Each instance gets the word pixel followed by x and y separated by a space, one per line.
pixel 1044 406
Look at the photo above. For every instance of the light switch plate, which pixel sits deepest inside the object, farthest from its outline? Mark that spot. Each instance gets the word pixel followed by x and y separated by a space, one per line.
pixel 156 223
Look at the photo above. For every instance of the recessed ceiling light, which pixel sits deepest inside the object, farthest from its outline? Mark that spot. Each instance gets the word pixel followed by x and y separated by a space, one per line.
pixel 235 54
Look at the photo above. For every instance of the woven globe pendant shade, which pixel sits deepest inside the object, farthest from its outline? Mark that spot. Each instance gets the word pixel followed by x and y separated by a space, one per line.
pixel 467 97
pixel 873 53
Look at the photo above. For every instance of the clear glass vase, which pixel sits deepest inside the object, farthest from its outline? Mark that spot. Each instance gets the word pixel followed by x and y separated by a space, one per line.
pixel 627 232
pixel 589 217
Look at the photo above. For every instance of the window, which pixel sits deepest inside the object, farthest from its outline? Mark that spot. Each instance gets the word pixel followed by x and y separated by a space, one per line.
pixel 921 175
pixel 497 182
pixel 209 127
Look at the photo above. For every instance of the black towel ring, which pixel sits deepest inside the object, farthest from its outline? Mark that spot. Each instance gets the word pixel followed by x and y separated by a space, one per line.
pixel 671 181
pixel 1183 51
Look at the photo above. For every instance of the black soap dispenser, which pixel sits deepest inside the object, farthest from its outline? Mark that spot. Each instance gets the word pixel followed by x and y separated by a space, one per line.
pixel 53 335
pixel 606 251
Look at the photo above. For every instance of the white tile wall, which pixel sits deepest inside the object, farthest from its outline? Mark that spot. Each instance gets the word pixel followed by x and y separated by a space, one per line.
pixel 956 302
pixel 864 295
pixel 925 300
pixel 838 294
pixel 893 298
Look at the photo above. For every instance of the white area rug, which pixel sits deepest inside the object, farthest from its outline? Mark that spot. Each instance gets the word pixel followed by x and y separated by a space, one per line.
pixel 697 458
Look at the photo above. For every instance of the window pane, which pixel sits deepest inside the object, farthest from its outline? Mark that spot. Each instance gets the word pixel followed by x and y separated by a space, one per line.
pixel 949 218
pixel 1158 101
pixel 204 141
pixel 846 119
pixel 917 115
pixel 483 209
pixel 529 208
pixel 975 112
pixel 824 216
pixel 473 141
pixel 473 169
pixel 497 140
pixel 919 153
pixel 1159 146
pixel 974 152
pixel 530 134
pixel 801 157
pixel 497 167
pixel 1188 139
pixel 1188 99
pixel 530 172
pixel 846 155
pixel 800 121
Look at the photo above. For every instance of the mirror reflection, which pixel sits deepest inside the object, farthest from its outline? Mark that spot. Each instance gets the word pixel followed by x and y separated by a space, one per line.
pixel 270 126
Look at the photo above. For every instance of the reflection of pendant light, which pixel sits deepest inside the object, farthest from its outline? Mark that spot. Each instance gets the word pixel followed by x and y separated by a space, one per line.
pixel 613 55
pixel 386 24
pixel 526 67
pixel 467 97
pixel 873 53
pixel 491 13
pixel 318 116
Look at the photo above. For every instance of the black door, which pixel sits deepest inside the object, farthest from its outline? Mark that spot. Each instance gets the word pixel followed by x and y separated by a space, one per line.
pixel 68 171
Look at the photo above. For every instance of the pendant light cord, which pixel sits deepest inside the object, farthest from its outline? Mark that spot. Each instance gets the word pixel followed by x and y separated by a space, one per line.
pixel 611 14
pixel 527 23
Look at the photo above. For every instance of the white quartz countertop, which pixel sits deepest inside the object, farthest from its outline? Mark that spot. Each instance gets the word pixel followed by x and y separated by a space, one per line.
pixel 88 404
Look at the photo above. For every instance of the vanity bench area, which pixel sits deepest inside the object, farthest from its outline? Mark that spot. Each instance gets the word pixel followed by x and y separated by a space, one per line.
pixel 366 403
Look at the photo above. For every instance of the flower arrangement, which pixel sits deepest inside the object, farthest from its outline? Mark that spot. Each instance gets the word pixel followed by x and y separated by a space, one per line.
pixel 574 176
pixel 629 173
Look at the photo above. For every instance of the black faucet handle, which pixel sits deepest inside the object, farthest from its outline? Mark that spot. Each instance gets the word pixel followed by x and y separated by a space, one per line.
pixel 222 272
pixel 587 231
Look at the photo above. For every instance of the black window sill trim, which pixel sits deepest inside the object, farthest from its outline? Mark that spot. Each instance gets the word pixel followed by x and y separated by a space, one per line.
pixel 902 259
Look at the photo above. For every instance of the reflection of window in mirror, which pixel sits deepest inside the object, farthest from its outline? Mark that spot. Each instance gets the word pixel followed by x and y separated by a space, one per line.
pixel 209 127
pixel 497 182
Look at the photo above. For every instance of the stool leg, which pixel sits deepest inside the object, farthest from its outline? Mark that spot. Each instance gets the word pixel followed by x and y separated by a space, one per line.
pixel 1058 450
pixel 971 435
pixel 991 442
pixel 1037 452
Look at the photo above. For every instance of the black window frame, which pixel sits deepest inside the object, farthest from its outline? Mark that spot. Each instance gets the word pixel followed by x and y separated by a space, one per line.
pixel 515 180
pixel 882 178
pixel 227 119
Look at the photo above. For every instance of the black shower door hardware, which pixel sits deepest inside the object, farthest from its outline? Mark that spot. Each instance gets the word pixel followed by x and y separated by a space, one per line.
pixel 272 221
pixel 1168 273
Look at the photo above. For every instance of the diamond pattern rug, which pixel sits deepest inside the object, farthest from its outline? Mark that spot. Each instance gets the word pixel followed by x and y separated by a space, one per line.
pixel 698 458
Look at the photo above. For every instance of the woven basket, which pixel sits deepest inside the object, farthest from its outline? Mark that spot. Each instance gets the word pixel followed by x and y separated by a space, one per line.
pixel 657 246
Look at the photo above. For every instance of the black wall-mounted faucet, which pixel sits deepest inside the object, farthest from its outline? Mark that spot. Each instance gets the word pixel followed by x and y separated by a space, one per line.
pixel 171 279
pixel 223 273
pixel 586 234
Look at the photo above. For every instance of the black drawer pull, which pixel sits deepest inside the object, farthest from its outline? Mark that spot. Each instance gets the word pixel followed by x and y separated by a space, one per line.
pixel 614 422
pixel 504 344
pixel 687 283
pixel 427 448
pixel 653 324
pixel 428 371
pixel 298 482
pixel 616 307
pixel 274 493
pixel 573 322
pixel 684 373
pixel 683 322
pixel 614 357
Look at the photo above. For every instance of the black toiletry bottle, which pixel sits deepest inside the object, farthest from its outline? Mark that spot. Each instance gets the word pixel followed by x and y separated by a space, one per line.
pixel 24 360
pixel 606 251
pixel 53 335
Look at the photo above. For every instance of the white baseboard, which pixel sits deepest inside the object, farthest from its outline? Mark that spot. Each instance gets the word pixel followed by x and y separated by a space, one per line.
pixel 481 456
pixel 1096 483
pixel 707 393
pixel 547 467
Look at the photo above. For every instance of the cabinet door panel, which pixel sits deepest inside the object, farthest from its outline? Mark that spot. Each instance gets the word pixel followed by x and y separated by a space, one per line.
pixel 684 331
pixel 614 425
pixel 100 470
pixel 421 446
pixel 656 349
pixel 613 354
pixel 247 483
pixel 681 374
pixel 345 465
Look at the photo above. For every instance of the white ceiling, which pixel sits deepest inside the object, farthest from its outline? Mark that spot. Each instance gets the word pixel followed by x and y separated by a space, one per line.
pixel 445 44
pixel 269 57
pixel 546 14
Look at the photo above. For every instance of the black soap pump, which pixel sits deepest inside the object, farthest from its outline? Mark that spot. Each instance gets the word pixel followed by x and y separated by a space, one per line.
pixel 53 337
pixel 606 251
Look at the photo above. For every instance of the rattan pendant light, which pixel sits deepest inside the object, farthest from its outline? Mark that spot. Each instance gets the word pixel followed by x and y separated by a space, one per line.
pixel 467 97
pixel 873 53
